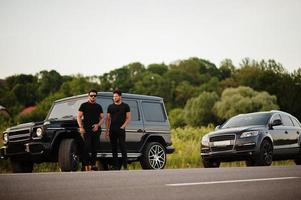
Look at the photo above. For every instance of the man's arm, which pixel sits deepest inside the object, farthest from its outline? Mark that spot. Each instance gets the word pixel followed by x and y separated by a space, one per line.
pixel 96 126
pixel 108 121
pixel 80 122
pixel 127 120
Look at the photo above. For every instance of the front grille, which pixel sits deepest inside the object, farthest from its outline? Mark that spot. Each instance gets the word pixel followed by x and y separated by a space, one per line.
pixel 226 148
pixel 216 143
pixel 19 135
pixel 222 138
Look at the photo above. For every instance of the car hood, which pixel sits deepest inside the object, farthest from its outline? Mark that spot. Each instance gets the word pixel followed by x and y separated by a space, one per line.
pixel 24 126
pixel 235 130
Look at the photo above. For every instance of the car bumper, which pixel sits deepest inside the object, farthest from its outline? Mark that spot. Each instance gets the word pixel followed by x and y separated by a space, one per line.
pixel 170 149
pixel 243 149
pixel 18 150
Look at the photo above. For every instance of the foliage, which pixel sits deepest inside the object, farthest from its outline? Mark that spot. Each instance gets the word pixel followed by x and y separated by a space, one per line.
pixel 243 100
pixel 176 118
pixel 198 110
pixel 187 144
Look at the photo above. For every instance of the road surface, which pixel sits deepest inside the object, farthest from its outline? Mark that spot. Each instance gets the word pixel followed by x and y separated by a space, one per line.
pixel 184 184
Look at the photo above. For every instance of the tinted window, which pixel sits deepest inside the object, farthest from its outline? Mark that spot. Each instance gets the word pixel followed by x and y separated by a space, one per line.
pixel 153 112
pixel 134 109
pixel 276 116
pixel 296 122
pixel 104 102
pixel 66 108
pixel 248 120
pixel 286 120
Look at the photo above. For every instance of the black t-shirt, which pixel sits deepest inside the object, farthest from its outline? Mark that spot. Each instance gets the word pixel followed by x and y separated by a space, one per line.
pixel 118 114
pixel 91 113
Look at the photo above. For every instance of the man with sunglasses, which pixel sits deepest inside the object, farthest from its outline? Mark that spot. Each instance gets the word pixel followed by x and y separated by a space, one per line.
pixel 89 119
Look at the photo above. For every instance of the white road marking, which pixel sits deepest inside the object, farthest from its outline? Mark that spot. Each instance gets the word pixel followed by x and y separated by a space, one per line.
pixel 231 181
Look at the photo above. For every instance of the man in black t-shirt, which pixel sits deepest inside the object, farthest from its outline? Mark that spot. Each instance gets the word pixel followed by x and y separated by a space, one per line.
pixel 118 116
pixel 90 119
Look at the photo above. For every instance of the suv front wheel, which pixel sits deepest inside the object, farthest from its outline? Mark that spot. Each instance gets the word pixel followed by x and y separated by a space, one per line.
pixel 153 157
pixel 68 155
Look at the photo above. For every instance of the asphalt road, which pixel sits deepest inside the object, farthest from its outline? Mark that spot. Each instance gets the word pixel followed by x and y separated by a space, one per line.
pixel 224 183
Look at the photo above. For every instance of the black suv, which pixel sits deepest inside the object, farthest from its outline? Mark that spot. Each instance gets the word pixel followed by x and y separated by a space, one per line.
pixel 57 139
pixel 258 138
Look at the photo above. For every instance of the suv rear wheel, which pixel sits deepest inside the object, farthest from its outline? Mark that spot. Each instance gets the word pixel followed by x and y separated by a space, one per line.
pixel 153 157
pixel 68 155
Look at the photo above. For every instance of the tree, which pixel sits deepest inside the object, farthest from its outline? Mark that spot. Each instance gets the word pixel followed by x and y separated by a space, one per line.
pixel 243 100
pixel 49 82
pixel 176 118
pixel 198 110
pixel 160 69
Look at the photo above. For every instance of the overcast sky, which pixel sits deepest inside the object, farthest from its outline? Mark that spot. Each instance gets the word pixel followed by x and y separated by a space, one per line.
pixel 94 37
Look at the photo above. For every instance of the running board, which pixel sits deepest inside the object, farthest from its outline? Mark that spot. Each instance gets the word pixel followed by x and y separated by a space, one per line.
pixel 109 155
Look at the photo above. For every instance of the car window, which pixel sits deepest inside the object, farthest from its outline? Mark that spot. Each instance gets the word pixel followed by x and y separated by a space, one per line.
pixel 274 117
pixel 134 109
pixel 153 112
pixel 286 120
pixel 296 122
pixel 104 102
pixel 68 108
pixel 248 120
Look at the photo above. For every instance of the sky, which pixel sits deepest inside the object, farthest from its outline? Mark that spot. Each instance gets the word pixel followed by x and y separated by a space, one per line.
pixel 92 37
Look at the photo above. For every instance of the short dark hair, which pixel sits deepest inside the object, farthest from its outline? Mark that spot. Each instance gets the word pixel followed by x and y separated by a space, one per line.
pixel 92 90
pixel 117 91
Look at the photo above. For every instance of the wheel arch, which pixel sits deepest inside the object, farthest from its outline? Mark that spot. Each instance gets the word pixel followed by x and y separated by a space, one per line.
pixel 65 135
pixel 152 138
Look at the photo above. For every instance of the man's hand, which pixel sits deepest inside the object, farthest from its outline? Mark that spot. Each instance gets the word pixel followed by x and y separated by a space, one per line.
pixel 107 134
pixel 81 130
pixel 95 127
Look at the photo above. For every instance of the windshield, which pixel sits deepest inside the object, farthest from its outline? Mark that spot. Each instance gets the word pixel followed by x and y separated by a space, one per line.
pixel 248 120
pixel 65 109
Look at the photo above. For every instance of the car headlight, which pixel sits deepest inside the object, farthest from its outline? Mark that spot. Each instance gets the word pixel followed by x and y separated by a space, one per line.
pixel 249 134
pixel 5 138
pixel 39 132
pixel 205 140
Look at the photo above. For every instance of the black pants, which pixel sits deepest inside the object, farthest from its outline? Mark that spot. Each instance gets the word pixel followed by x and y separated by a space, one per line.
pixel 117 136
pixel 91 142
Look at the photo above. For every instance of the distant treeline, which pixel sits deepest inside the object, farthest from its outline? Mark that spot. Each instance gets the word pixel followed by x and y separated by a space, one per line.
pixel 196 91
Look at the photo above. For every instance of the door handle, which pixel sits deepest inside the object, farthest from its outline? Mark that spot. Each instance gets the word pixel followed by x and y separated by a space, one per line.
pixel 140 131
pixel 285 132
pixel 298 133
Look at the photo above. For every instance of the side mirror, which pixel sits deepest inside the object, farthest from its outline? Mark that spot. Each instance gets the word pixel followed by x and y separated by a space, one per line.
pixel 276 122
pixel 217 127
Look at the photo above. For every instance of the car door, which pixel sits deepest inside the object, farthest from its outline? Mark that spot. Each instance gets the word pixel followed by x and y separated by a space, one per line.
pixel 134 130
pixel 278 134
pixel 290 134
pixel 104 145
pixel 155 119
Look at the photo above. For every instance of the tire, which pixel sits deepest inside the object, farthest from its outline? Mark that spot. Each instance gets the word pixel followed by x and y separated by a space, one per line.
pixel 153 156
pixel 265 157
pixel 211 163
pixel 19 166
pixel 298 159
pixel 68 155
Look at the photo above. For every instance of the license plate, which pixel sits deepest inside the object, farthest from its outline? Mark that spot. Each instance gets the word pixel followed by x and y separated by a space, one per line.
pixel 222 143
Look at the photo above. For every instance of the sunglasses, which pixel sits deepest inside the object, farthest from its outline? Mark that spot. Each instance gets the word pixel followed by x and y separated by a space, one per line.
pixel 92 95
